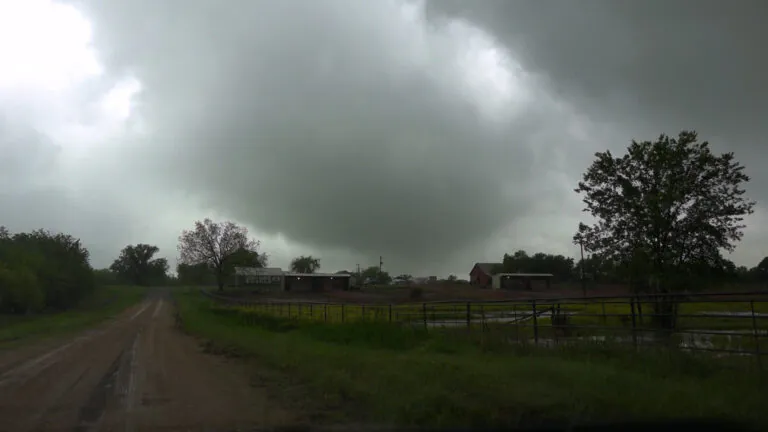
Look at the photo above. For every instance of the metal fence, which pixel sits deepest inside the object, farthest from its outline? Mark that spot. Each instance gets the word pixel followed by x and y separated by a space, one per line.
pixel 726 323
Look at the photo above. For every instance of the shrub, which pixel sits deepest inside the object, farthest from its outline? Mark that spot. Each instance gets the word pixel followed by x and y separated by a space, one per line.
pixel 42 270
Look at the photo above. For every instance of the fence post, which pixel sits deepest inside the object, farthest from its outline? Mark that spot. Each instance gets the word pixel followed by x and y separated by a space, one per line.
pixel 325 312
pixel 362 312
pixel 342 312
pixel 605 318
pixel 390 312
pixel 535 323
pixel 634 323
pixel 311 313
pixel 756 334
pixel 289 310
pixel 424 313
pixel 469 316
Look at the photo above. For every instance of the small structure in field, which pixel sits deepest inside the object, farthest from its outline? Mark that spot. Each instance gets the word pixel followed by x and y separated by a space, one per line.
pixel 275 279
pixel 259 279
pixel 521 280
pixel 482 273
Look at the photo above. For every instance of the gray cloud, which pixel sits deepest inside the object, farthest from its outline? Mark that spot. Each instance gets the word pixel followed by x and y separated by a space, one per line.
pixel 357 129
pixel 648 67
pixel 701 62
pixel 340 125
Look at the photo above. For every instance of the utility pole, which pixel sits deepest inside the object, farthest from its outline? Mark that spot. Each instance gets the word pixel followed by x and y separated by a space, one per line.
pixel 581 268
pixel 381 265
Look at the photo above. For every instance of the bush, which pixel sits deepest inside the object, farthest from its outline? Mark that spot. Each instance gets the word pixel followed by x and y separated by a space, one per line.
pixel 41 270
pixel 20 291
pixel 416 293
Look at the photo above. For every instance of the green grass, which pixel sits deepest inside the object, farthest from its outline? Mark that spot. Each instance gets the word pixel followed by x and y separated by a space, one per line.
pixel 380 373
pixel 105 303
pixel 587 314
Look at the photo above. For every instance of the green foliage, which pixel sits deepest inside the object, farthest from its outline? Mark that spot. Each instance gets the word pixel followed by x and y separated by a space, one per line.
pixel 664 210
pixel 195 275
pixel 20 291
pixel 42 270
pixel 305 264
pixel 136 265
pixel 520 262
pixel 394 375
pixel 373 274
pixel 104 277
pixel 103 303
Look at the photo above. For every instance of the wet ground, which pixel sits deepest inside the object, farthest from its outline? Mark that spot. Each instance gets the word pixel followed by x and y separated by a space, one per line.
pixel 134 373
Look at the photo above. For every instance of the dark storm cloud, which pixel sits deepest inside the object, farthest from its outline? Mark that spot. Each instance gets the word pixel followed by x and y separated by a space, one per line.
pixel 652 65
pixel 647 67
pixel 337 124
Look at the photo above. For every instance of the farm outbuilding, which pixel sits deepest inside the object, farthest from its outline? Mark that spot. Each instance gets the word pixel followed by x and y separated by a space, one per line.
pixel 275 279
pixel 482 273
pixel 261 279
pixel 524 281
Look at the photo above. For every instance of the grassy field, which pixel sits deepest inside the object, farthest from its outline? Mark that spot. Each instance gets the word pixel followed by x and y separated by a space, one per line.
pixel 104 303
pixel 374 372
pixel 701 323
pixel 709 315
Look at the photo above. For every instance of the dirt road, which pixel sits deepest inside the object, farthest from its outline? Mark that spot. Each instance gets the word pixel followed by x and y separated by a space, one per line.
pixel 134 373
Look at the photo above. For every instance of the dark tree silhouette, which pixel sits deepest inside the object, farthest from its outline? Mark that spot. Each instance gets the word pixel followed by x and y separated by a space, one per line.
pixel 218 245
pixel 664 210
pixel 136 265
pixel 305 264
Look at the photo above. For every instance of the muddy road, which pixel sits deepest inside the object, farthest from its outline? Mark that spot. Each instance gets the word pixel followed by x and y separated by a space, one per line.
pixel 134 373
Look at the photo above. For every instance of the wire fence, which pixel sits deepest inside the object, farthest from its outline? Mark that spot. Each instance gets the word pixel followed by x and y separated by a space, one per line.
pixel 726 323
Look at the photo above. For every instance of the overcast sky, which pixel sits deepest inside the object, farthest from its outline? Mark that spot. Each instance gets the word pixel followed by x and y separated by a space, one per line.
pixel 435 134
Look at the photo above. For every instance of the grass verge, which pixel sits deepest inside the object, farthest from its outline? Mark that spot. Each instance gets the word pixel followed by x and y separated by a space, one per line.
pixel 104 303
pixel 386 374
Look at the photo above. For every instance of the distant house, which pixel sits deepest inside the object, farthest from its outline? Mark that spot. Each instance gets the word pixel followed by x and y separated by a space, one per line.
pixel 482 274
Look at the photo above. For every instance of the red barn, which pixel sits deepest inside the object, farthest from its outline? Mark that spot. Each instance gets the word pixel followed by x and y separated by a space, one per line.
pixel 481 273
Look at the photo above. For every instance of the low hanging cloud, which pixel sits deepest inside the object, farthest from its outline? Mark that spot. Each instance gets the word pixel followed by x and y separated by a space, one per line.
pixel 338 125
pixel 648 67
pixel 435 137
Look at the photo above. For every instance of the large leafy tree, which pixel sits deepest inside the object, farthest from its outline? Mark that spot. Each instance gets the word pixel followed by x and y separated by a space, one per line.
pixel 218 246
pixel 664 210
pixel 137 265
pixel 305 264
